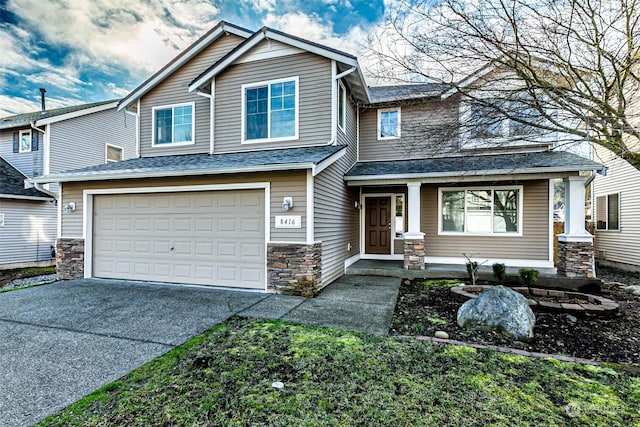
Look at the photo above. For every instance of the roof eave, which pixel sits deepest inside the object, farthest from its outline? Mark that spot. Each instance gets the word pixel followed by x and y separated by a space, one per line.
pixel 221 28
pixel 138 174
pixel 20 197
pixel 267 34
pixel 77 113
pixel 480 173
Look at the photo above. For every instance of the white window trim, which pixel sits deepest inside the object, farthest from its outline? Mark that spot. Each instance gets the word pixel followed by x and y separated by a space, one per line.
pixel 606 204
pixel 342 117
pixel 172 106
pixel 106 151
pixel 487 187
pixel 386 110
pixel 268 84
pixel 23 132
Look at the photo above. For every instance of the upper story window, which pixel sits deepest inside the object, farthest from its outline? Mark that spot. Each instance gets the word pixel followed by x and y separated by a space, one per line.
pixel 495 210
pixel 342 106
pixel 389 123
pixel 490 122
pixel 24 141
pixel 608 212
pixel 270 110
pixel 113 153
pixel 173 124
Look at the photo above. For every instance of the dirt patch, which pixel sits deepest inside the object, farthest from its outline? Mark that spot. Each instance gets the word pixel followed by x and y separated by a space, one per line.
pixel 424 309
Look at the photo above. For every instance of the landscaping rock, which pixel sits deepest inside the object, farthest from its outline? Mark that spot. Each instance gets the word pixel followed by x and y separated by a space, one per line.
pixel 442 334
pixel 499 308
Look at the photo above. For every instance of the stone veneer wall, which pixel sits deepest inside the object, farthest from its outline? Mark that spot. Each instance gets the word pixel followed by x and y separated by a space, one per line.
pixel 70 258
pixel 575 259
pixel 414 254
pixel 294 268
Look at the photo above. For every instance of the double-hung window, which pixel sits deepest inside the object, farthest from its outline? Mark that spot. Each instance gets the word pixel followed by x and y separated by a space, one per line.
pixel 24 141
pixel 496 210
pixel 270 110
pixel 389 123
pixel 608 212
pixel 173 124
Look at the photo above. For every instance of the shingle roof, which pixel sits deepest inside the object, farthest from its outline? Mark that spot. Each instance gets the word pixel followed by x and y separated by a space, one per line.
pixel 12 183
pixel 537 162
pixel 21 120
pixel 405 92
pixel 200 164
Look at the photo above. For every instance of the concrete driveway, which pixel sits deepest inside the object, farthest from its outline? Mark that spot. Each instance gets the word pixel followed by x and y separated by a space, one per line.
pixel 60 342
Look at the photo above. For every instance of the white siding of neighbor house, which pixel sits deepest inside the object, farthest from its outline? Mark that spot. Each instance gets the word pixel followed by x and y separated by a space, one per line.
pixel 174 90
pixel 30 164
pixel 291 183
pixel 618 246
pixel 81 141
pixel 29 230
pixel 314 95
pixel 532 245
pixel 336 218
pixel 421 128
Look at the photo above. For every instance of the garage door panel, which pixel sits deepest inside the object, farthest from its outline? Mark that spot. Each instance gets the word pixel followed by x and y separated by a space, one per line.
pixel 217 237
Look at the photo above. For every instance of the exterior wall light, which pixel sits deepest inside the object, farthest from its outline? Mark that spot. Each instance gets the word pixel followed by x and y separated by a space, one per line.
pixel 287 203
pixel 69 207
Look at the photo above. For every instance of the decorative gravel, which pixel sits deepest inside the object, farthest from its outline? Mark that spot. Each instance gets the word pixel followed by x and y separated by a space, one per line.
pixel 30 281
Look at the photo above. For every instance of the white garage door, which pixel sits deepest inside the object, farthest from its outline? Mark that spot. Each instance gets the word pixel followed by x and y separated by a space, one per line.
pixel 209 238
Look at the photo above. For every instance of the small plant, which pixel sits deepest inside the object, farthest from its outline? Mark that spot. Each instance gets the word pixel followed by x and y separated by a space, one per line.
pixel 528 276
pixel 499 272
pixel 472 269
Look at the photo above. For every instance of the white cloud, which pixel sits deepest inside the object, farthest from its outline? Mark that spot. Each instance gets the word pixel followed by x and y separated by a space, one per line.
pixel 118 92
pixel 261 5
pixel 10 105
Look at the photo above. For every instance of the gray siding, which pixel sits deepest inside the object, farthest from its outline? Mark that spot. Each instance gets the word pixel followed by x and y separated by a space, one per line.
pixel 29 230
pixel 532 245
pixel 314 73
pixel 282 184
pixel 619 246
pixel 427 129
pixel 81 141
pixel 30 163
pixel 174 90
pixel 336 218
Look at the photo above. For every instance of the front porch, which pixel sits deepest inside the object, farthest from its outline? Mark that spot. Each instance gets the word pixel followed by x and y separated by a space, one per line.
pixel 547 278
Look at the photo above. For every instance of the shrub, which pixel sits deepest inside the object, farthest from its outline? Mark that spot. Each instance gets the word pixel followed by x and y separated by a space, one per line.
pixel 472 270
pixel 499 272
pixel 528 276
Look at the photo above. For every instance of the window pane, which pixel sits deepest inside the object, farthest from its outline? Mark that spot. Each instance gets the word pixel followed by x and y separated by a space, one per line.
pixel 601 213
pixel 453 211
pixel 479 211
pixel 341 102
pixel 399 215
pixel 283 123
pixel 505 211
pixel 256 113
pixel 163 126
pixel 289 88
pixel 613 211
pixel 485 123
pixel 114 154
pixel 389 124
pixel 25 141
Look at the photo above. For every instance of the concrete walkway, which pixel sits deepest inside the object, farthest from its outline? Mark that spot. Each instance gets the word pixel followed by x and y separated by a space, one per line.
pixel 60 342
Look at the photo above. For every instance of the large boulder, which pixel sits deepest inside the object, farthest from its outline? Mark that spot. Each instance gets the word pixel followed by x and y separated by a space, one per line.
pixel 501 309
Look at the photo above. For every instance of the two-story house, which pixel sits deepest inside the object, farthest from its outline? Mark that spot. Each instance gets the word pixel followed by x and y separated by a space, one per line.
pixel 267 163
pixel 46 142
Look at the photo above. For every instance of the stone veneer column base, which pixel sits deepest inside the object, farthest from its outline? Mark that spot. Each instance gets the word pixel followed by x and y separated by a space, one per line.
pixel 575 259
pixel 70 258
pixel 414 254
pixel 294 268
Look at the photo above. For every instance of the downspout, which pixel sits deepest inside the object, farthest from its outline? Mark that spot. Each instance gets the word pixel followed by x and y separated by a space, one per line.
pixel 211 98
pixel 137 118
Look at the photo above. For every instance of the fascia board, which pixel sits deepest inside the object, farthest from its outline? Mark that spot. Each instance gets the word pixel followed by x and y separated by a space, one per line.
pixel 78 113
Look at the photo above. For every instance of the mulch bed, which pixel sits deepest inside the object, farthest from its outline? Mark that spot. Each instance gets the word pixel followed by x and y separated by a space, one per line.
pixel 423 310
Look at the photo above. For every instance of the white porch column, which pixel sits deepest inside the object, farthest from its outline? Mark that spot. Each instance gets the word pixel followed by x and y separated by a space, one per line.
pixel 414 249
pixel 413 211
pixel 575 245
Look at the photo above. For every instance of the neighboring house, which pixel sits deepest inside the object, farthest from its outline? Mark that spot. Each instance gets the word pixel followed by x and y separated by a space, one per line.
pixel 49 142
pixel 267 163
pixel 616 201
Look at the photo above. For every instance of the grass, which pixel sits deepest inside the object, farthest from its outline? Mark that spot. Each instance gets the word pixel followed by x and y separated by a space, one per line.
pixel 338 378
pixel 26 272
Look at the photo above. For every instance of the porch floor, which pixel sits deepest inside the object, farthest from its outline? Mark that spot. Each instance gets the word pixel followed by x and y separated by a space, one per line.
pixel 547 277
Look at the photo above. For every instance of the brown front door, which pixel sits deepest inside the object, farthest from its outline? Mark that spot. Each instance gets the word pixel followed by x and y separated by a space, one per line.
pixel 377 229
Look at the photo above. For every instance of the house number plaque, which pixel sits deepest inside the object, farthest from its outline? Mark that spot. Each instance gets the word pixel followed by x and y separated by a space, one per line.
pixel 288 221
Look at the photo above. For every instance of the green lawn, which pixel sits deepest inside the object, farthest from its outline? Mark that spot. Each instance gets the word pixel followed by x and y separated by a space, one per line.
pixel 337 378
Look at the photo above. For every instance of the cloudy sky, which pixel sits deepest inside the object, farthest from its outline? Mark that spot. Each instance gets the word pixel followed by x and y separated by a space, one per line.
pixel 93 50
